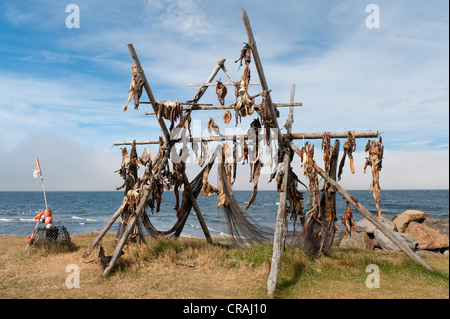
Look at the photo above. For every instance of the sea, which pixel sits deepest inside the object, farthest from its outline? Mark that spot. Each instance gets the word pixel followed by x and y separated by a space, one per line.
pixel 83 212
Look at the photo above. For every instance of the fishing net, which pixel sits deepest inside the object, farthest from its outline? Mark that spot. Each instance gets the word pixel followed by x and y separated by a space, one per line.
pixel 186 206
pixel 242 230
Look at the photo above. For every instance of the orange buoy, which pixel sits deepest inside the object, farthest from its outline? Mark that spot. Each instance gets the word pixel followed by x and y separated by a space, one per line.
pixel 48 220
pixel 48 213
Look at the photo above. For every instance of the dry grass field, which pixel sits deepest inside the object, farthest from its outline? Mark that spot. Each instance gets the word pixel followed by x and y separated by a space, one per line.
pixel 191 268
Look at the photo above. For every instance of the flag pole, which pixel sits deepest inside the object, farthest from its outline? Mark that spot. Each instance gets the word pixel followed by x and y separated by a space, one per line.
pixel 42 182
pixel 38 171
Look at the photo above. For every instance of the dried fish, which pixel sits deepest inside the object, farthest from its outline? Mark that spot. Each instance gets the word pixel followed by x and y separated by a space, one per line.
pixel 347 220
pixel 204 153
pixel 221 91
pixel 145 158
pixel 135 88
pixel 375 161
pixel 226 117
pixel 213 127
pixel 349 148
pixel 207 188
pixel 171 111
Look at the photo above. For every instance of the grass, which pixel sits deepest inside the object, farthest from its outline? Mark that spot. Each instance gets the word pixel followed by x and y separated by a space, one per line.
pixel 191 268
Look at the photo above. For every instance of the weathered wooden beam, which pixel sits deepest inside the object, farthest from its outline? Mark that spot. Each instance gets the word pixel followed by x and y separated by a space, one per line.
pixel 148 89
pixel 373 219
pixel 108 225
pixel 166 134
pixel 276 255
pixel 295 136
pixel 214 84
pixel 229 107
pixel 259 68
pixel 126 235
pixel 290 119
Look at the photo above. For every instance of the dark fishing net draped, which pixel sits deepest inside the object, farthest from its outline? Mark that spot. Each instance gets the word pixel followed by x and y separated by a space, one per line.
pixel 242 230
pixel 186 207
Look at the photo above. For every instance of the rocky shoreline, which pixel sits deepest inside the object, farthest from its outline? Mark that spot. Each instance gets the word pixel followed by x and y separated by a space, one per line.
pixel 416 229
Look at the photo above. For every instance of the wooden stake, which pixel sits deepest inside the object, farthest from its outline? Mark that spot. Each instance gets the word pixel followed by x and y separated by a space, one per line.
pixel 259 68
pixel 228 107
pixel 295 136
pixel 373 219
pixel 127 233
pixel 214 84
pixel 276 256
pixel 108 225
pixel 163 126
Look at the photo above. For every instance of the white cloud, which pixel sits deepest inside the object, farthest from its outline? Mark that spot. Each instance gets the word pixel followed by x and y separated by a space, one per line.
pixel 394 79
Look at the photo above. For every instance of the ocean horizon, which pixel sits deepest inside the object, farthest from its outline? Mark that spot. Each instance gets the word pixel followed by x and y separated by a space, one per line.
pixel 89 211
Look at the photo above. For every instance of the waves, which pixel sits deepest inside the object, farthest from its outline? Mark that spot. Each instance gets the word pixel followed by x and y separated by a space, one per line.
pixel 82 212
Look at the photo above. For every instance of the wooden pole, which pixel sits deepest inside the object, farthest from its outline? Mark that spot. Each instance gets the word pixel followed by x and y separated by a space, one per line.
pixel 228 107
pixel 291 111
pixel 127 233
pixel 163 126
pixel 214 84
pixel 148 89
pixel 259 68
pixel 108 225
pixel 276 255
pixel 295 136
pixel 373 219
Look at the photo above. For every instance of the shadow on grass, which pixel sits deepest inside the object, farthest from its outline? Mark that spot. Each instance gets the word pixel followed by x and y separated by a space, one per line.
pixel 298 269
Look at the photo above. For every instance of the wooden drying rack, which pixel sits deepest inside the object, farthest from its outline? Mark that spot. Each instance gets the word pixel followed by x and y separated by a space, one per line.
pixel 290 147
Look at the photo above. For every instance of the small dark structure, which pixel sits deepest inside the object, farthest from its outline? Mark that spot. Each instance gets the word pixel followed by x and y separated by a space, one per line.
pixel 55 235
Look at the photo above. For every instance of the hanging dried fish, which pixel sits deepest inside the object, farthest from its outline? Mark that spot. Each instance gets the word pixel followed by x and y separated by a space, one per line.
pixel 349 148
pixel 221 91
pixel 307 152
pixel 226 117
pixel 347 220
pixel 157 188
pixel 171 111
pixel 327 151
pixel 213 127
pixel 207 188
pixel 244 103
pixel 245 55
pixel 235 158
pixel 145 158
pixel 374 160
pixel 135 88
pixel 255 176
pixel 204 153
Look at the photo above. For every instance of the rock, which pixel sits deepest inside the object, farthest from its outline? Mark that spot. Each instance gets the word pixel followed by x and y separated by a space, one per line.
pixel 428 238
pixel 357 240
pixel 386 244
pixel 364 225
pixel 437 224
pixel 401 221
pixel 428 253
pixel 338 238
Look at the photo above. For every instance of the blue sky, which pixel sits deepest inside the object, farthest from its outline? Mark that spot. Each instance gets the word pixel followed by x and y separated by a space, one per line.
pixel 62 90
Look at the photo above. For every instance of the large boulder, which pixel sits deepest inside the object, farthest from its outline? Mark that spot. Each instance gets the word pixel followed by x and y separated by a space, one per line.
pixel 428 238
pixel 364 225
pixel 401 221
pixel 357 240
pixel 441 225
pixel 386 244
